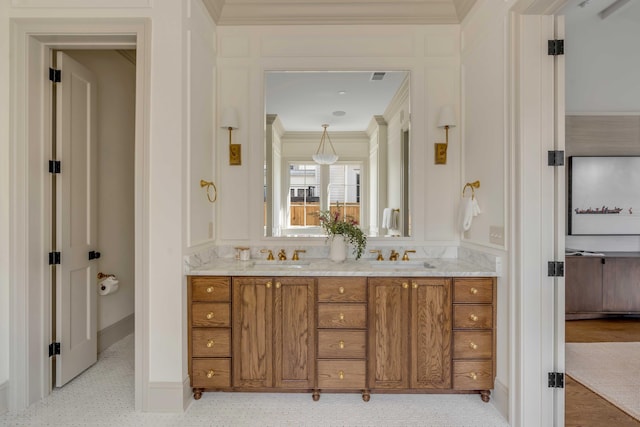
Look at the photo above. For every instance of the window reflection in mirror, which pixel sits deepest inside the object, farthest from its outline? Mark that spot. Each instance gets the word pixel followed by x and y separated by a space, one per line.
pixel 368 118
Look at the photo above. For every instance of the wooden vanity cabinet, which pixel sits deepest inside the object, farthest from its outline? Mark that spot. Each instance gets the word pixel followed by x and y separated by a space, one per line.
pixel 273 333
pixel 409 333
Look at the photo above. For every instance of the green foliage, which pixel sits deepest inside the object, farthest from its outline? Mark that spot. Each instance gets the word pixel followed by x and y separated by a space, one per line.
pixel 348 227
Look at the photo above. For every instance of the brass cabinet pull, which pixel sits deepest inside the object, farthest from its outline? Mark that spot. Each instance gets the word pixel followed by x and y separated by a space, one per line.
pixel 473 345
pixel 211 373
pixel 473 291
pixel 473 317
pixel 341 316
pixel 210 289
pixel 210 343
pixel 268 285
pixel 341 344
pixel 415 285
pixel 341 290
pixel 473 376
pixel 341 375
pixel 405 285
pixel 210 315
pixel 278 284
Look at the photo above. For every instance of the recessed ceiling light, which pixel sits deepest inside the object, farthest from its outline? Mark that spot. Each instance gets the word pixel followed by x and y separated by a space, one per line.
pixel 339 113
pixel 342 92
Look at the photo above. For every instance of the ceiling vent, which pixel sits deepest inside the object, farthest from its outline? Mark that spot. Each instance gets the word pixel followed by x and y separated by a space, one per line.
pixel 378 75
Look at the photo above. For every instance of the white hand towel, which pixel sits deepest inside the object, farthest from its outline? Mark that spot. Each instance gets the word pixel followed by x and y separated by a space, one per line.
pixel 476 207
pixel 465 213
pixel 386 218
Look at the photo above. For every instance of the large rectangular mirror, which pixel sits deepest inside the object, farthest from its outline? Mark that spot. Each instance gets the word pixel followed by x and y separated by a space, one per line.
pixel 337 141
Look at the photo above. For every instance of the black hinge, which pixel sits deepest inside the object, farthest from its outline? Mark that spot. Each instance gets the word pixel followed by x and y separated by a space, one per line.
pixel 555 158
pixel 555 47
pixel 54 258
pixel 54 348
pixel 54 166
pixel 55 75
pixel 556 269
pixel 94 255
pixel 556 380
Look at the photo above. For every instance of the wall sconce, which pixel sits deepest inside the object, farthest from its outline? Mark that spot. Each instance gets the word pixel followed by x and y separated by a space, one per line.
pixel 447 120
pixel 230 121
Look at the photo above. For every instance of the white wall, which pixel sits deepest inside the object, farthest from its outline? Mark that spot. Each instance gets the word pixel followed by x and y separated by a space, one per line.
pixel 116 138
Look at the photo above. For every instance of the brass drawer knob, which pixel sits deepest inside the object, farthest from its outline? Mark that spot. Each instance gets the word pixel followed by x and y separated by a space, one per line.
pixel 210 289
pixel 473 345
pixel 341 316
pixel 341 344
pixel 210 315
pixel 210 343
pixel 278 284
pixel 211 373
pixel 473 291
pixel 473 317
pixel 473 376
pixel 341 290
pixel 341 375
pixel 415 285
pixel 405 285
pixel 268 285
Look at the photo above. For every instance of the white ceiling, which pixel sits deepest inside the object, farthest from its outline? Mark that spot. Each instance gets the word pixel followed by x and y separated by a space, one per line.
pixel 310 12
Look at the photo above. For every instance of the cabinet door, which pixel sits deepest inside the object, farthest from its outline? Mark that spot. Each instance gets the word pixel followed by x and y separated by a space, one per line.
pixel 294 334
pixel 252 332
pixel 621 285
pixel 430 333
pixel 388 333
pixel 583 284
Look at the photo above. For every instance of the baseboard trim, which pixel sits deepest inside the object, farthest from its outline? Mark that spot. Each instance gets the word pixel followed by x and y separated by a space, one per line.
pixel 4 397
pixel 500 398
pixel 165 397
pixel 114 333
pixel 186 393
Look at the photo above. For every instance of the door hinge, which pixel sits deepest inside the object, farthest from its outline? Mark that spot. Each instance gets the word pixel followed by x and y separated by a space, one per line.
pixel 94 255
pixel 555 158
pixel 54 166
pixel 54 349
pixel 54 258
pixel 556 380
pixel 555 47
pixel 556 269
pixel 55 75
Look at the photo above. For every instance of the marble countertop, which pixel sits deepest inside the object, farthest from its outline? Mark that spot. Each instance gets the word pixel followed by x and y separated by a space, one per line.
pixel 437 267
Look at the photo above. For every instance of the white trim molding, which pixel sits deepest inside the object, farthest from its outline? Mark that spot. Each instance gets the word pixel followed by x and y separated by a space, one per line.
pixel 4 397
pixel 164 396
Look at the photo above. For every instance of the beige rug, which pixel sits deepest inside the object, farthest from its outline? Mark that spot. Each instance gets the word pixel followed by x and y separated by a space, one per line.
pixel 611 369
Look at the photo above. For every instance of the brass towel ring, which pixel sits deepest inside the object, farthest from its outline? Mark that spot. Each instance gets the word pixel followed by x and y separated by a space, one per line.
pixel 210 184
pixel 472 186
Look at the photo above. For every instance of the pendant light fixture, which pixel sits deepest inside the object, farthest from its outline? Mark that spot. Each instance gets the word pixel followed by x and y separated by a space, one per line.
pixel 322 157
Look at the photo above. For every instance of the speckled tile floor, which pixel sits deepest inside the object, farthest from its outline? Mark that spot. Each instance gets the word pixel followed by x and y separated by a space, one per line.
pixel 104 396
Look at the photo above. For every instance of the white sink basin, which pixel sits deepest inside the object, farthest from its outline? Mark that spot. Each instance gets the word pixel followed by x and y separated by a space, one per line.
pixel 414 265
pixel 280 265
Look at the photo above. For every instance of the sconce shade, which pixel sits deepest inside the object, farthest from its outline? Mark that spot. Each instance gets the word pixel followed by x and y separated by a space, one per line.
pixel 322 157
pixel 447 117
pixel 229 118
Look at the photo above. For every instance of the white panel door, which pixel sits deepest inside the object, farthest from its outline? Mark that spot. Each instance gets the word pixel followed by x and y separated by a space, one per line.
pixel 76 228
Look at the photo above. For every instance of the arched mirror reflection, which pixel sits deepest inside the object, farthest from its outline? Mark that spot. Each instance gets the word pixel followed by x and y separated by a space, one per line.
pixel 336 141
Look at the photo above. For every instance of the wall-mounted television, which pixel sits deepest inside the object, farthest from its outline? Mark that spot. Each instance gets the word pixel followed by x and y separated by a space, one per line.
pixel 604 195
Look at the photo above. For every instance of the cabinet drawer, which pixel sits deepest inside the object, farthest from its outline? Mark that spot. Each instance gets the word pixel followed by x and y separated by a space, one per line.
pixel 472 375
pixel 339 344
pixel 210 288
pixel 340 374
pixel 211 373
pixel 342 289
pixel 472 316
pixel 210 314
pixel 342 315
pixel 211 342
pixel 472 344
pixel 473 290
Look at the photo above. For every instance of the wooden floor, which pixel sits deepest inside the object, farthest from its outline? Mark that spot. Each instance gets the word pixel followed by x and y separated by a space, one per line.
pixel 582 406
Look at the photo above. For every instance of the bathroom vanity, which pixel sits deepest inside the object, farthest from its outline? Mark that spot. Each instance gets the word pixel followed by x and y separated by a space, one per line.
pixel 311 328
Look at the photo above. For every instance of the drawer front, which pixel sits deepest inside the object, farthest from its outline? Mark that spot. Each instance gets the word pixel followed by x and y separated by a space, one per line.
pixel 472 344
pixel 211 342
pixel 472 316
pixel 473 290
pixel 342 289
pixel 342 315
pixel 339 344
pixel 210 288
pixel 211 373
pixel 472 375
pixel 210 314
pixel 341 374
